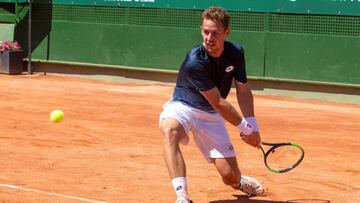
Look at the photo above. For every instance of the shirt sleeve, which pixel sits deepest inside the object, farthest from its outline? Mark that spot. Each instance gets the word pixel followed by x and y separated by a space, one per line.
pixel 198 75
pixel 240 75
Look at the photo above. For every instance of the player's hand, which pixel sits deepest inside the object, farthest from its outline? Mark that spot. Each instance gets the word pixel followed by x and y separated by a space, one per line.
pixel 253 139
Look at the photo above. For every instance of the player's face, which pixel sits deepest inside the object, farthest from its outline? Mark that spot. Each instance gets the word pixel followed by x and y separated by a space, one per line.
pixel 214 34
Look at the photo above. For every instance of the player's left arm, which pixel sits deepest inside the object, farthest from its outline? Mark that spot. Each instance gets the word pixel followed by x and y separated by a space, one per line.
pixel 245 100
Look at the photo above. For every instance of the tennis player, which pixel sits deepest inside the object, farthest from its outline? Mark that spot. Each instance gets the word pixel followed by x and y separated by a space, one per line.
pixel 199 105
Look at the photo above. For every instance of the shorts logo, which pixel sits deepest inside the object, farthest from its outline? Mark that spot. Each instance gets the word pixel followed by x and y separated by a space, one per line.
pixel 229 69
pixel 179 188
pixel 231 147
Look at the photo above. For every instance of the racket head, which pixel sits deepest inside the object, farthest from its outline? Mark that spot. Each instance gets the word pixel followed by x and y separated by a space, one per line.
pixel 282 157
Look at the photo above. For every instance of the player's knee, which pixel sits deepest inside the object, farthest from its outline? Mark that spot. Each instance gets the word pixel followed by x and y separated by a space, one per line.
pixel 230 177
pixel 170 135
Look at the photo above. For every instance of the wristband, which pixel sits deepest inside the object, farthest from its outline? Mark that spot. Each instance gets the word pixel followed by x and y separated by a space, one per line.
pixel 252 121
pixel 245 128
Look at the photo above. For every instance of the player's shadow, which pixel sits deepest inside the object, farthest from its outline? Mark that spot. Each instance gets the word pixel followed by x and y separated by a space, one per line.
pixel 245 199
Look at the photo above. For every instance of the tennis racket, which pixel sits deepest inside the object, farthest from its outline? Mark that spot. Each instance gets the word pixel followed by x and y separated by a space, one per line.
pixel 282 157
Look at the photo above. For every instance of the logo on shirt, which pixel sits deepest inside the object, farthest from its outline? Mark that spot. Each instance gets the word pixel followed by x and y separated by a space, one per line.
pixel 178 188
pixel 229 69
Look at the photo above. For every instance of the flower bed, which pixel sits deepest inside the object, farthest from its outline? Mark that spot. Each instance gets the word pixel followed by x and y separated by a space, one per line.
pixel 9 46
pixel 10 57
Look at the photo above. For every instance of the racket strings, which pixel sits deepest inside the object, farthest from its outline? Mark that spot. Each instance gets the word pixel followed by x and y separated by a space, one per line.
pixel 283 157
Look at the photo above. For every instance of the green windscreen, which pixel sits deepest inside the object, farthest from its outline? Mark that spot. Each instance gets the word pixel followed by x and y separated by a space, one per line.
pixel 179 18
pixel 246 21
pixel 315 24
pixel 160 17
pixel 295 46
pixel 111 15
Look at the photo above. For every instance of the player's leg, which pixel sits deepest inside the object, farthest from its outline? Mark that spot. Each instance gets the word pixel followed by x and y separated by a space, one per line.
pixel 173 132
pixel 230 173
pixel 175 125
pixel 214 142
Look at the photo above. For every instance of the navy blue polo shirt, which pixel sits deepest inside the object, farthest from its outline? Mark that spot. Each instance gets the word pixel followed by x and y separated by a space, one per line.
pixel 201 72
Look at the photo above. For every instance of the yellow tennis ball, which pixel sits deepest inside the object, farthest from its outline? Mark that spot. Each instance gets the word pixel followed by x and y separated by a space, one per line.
pixel 56 116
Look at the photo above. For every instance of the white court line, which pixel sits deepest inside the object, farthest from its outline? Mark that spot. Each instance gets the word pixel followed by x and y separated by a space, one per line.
pixel 51 193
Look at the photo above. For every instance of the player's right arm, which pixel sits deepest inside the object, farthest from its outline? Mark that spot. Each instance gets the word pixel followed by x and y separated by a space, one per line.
pixel 226 110
pixel 222 106
pixel 229 113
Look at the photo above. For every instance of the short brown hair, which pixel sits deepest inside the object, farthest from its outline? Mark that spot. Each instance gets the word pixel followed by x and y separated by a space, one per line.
pixel 218 14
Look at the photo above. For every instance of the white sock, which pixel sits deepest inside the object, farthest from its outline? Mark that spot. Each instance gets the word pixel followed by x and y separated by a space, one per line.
pixel 180 186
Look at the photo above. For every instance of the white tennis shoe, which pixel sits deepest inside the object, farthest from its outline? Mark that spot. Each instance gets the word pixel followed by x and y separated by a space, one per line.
pixel 251 186
pixel 183 200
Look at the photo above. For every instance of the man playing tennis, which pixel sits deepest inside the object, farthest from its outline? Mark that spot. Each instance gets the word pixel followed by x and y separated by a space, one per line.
pixel 199 105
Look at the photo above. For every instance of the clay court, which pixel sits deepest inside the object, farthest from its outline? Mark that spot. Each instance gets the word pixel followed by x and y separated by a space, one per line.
pixel 109 147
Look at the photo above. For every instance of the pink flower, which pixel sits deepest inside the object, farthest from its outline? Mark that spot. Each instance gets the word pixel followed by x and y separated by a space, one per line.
pixel 9 46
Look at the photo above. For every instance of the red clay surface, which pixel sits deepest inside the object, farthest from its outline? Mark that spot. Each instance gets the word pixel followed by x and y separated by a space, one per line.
pixel 109 147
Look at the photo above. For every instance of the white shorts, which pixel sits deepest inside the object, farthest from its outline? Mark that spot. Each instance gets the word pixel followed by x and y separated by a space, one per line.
pixel 208 129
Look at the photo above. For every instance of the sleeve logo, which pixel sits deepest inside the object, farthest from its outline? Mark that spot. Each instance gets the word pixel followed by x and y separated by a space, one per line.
pixel 229 69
